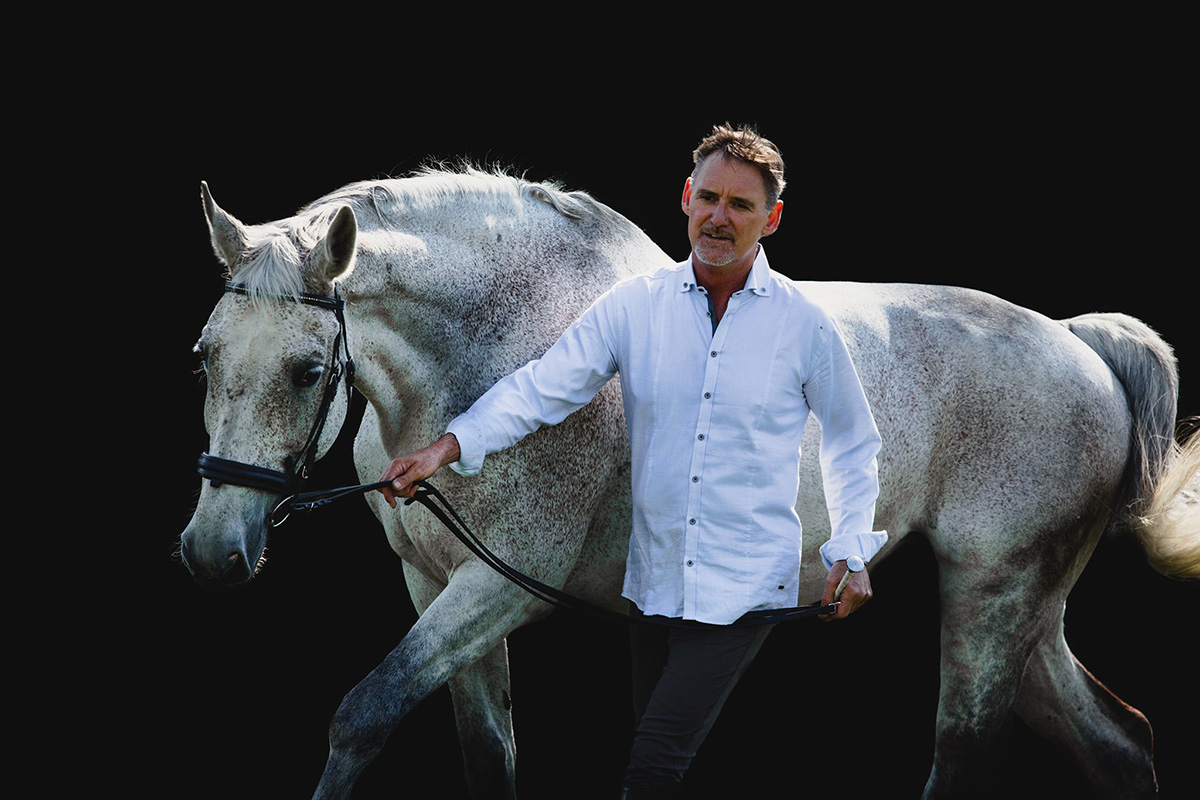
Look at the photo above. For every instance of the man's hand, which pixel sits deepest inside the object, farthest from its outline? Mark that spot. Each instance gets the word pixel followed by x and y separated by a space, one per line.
pixel 856 592
pixel 405 471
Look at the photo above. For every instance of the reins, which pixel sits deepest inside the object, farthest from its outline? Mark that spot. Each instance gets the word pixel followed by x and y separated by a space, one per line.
pixel 426 495
pixel 222 470
pixel 436 503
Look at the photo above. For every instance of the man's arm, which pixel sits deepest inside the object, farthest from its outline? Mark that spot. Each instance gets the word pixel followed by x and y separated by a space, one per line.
pixel 405 471
pixel 849 444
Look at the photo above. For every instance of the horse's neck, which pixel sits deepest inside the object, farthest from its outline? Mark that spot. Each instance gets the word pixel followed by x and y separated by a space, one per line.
pixel 428 342
pixel 438 314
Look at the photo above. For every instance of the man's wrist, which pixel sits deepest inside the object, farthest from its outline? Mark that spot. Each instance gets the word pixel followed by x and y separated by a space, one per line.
pixel 448 449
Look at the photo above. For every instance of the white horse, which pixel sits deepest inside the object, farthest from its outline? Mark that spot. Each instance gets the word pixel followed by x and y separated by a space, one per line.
pixel 1011 441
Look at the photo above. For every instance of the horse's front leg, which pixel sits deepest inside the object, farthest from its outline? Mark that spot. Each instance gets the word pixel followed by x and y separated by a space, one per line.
pixel 481 693
pixel 467 621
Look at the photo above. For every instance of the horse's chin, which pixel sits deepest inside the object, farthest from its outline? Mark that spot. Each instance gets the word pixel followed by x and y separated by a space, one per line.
pixel 226 584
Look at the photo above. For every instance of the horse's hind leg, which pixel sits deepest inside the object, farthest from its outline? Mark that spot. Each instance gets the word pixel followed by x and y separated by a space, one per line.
pixel 1110 742
pixel 467 621
pixel 989 628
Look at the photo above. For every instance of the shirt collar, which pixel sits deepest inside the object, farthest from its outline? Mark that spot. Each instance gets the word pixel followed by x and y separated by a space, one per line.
pixel 758 281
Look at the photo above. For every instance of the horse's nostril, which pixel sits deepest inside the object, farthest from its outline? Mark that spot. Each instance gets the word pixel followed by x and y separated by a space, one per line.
pixel 235 570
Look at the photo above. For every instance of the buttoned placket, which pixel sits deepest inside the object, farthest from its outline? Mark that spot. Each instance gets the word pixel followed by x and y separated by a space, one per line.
pixel 694 526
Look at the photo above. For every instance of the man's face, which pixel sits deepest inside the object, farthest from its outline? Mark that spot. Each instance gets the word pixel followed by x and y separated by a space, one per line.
pixel 726 205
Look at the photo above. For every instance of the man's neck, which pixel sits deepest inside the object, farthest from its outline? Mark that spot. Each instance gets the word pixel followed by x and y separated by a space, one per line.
pixel 721 282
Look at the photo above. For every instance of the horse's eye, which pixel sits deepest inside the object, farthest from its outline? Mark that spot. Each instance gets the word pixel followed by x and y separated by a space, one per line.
pixel 307 375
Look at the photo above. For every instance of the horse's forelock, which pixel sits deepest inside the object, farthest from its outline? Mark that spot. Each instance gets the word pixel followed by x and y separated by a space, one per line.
pixel 273 261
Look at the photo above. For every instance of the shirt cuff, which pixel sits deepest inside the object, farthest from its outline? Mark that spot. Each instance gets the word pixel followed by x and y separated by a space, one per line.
pixel 470 447
pixel 863 545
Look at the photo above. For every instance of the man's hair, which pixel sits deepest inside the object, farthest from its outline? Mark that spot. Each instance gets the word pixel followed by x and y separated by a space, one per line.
pixel 745 144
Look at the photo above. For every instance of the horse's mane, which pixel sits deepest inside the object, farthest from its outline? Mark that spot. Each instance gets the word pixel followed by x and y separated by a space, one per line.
pixel 435 184
pixel 273 262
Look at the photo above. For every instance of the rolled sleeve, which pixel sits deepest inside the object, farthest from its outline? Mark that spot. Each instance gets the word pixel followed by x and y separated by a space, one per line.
pixel 863 545
pixel 470 446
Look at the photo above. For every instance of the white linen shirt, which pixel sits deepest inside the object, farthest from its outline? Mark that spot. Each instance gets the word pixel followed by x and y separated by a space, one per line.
pixel 715 421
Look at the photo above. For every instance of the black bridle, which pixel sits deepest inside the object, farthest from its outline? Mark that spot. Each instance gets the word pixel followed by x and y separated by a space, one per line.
pixel 222 470
pixel 288 483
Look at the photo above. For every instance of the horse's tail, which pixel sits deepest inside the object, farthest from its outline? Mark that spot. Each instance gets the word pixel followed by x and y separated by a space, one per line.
pixel 1170 526
pixel 1162 491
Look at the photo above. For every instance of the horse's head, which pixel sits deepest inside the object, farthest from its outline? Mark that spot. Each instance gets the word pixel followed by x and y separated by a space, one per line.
pixel 273 353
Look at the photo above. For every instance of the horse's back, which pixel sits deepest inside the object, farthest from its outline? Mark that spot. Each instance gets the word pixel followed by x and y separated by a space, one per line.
pixel 992 416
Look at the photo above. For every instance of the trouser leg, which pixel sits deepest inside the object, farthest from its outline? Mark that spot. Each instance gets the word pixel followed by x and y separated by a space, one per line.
pixel 682 678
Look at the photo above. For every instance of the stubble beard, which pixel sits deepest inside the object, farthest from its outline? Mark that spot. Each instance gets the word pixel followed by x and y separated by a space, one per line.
pixel 715 252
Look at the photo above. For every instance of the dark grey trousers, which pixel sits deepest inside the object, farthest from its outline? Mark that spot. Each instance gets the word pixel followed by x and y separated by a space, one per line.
pixel 681 679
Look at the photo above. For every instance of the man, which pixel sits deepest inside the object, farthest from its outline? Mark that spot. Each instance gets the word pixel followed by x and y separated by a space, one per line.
pixel 720 361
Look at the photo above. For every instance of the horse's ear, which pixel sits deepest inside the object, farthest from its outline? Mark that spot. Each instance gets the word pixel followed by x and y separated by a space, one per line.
pixel 227 234
pixel 333 257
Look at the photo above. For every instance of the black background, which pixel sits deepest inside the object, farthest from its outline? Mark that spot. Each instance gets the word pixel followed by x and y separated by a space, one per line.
pixel 1055 182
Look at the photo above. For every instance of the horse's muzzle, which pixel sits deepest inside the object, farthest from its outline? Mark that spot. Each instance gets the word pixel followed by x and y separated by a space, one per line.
pixel 220 562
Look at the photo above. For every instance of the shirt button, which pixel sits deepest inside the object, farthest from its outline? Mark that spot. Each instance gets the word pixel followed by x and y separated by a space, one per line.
pixel 689 562
pixel 707 395
pixel 713 354
pixel 700 437
pixel 692 521
pixel 695 479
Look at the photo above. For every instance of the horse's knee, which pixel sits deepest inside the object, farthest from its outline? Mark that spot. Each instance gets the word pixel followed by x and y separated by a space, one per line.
pixel 355 739
pixel 351 738
pixel 362 723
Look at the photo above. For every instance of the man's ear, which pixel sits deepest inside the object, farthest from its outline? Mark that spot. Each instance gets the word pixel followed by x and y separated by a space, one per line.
pixel 686 201
pixel 773 220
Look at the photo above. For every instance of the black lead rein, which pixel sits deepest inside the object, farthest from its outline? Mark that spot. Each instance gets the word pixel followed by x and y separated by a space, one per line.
pixel 444 512
pixel 433 500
